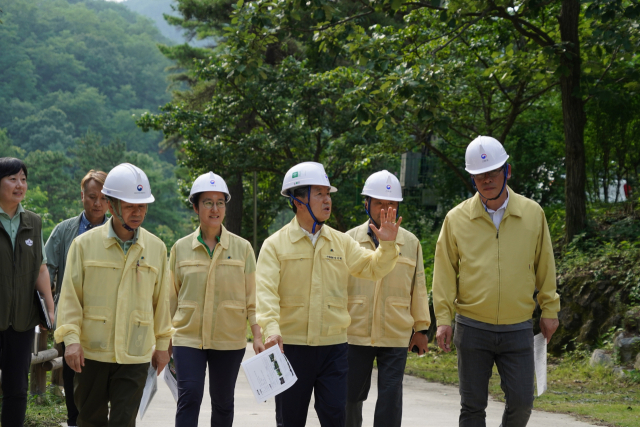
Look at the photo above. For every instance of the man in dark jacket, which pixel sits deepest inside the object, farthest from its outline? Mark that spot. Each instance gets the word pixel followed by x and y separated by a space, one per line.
pixel 95 206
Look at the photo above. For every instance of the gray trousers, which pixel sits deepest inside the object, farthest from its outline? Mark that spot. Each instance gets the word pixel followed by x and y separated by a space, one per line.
pixel 512 352
pixel 391 362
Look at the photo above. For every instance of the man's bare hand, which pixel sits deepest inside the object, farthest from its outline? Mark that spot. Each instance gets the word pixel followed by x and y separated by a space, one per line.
pixel 159 360
pixel 548 327
pixel 388 228
pixel 421 341
pixel 443 336
pixel 74 356
pixel 273 340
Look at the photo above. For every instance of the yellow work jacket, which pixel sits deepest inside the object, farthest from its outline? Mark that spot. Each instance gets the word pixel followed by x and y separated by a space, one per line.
pixel 212 298
pixel 302 290
pixel 491 275
pixel 115 305
pixel 383 312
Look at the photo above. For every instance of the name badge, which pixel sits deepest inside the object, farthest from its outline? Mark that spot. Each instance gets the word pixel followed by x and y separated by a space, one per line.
pixel 29 242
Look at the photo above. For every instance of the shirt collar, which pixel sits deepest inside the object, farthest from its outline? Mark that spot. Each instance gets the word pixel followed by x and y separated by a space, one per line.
pixel 85 222
pixel 504 205
pixel 111 233
pixel 18 211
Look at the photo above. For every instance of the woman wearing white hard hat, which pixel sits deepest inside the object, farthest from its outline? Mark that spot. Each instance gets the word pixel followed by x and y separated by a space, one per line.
pixel 114 305
pixel 301 282
pixel 493 253
pixel 384 312
pixel 213 296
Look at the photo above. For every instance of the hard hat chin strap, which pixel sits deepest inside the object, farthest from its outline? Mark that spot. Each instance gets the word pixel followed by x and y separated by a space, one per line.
pixel 504 185
pixel 118 211
pixel 315 220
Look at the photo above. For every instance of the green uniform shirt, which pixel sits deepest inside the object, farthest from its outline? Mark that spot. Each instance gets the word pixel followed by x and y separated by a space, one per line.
pixel 210 251
pixel 12 225
pixel 124 245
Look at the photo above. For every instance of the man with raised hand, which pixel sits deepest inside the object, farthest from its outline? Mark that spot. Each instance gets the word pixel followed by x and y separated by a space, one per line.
pixel 114 305
pixel 493 253
pixel 301 285
pixel 384 312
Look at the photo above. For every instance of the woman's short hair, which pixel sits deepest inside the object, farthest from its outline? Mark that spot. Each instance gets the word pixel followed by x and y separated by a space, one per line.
pixel 11 166
pixel 99 176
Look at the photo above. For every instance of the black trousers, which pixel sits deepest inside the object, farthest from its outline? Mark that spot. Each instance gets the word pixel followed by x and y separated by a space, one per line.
pixel 67 379
pixel 321 370
pixel 101 383
pixel 191 364
pixel 391 364
pixel 512 352
pixel 15 361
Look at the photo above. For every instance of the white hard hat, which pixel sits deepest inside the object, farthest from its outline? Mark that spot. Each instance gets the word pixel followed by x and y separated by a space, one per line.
pixel 484 154
pixel 128 183
pixel 209 182
pixel 383 185
pixel 304 174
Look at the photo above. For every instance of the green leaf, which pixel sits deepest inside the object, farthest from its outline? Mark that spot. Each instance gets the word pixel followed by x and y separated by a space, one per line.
pixel 240 3
pixel 380 124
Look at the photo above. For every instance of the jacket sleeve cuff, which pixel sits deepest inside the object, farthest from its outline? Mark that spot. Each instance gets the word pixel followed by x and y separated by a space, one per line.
pixel 387 245
pixel 252 320
pixel 272 329
pixel 421 326
pixel 549 314
pixel 162 344
pixel 443 322
pixel 70 339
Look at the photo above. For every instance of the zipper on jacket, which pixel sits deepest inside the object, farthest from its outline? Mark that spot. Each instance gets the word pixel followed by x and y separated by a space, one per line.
pixel 499 278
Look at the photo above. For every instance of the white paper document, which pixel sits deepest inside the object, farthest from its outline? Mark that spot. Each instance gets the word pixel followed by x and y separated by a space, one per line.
pixel 150 389
pixel 171 379
pixel 540 358
pixel 269 373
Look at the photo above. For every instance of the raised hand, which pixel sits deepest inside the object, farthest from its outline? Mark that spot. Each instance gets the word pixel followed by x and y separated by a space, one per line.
pixel 388 229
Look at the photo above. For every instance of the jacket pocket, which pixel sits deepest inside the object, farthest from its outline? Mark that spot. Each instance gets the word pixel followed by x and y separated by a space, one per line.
pixel 231 321
pixel 101 277
pixel 141 334
pixel 294 316
pixel 402 275
pixel 397 317
pixel 336 317
pixel 95 334
pixel 145 279
pixel 186 319
pixel 358 306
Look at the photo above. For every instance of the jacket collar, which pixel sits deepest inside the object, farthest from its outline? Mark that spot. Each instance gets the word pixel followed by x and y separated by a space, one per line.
pixel 296 233
pixel 110 241
pixel 362 234
pixel 224 238
pixel 513 208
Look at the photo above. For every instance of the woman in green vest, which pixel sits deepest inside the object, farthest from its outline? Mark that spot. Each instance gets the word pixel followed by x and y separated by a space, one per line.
pixel 23 269
pixel 213 297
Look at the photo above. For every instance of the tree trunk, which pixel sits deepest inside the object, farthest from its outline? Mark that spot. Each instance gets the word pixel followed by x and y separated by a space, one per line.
pixel 233 219
pixel 574 120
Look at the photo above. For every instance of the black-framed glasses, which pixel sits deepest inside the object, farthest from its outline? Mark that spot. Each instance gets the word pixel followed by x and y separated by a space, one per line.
pixel 491 174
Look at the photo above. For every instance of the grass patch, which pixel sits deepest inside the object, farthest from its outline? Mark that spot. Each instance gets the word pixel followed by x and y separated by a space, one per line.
pixel 48 410
pixel 574 387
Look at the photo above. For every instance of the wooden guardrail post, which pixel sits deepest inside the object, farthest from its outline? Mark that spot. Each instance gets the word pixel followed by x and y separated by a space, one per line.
pixel 38 377
pixel 56 374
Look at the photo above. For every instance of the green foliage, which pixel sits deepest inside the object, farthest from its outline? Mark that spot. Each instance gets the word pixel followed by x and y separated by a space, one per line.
pixel 72 66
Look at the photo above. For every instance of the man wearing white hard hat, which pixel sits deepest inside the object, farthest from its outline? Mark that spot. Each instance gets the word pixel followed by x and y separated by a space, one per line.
pixel 494 252
pixel 213 296
pixel 301 285
pixel 114 305
pixel 385 312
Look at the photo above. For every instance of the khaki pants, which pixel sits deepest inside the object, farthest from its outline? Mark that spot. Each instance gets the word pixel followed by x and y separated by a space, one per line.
pixel 101 383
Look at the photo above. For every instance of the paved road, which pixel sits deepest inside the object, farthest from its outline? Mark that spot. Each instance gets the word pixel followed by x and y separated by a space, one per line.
pixel 425 404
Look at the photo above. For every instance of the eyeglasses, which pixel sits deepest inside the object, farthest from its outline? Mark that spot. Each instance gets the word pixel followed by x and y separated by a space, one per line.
pixel 208 204
pixel 491 174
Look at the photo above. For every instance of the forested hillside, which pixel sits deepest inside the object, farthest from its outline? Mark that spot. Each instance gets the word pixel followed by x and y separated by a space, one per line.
pixel 74 75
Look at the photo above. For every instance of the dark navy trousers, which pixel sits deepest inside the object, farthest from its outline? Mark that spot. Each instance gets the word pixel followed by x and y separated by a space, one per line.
pixel 15 361
pixel 191 364
pixel 321 370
